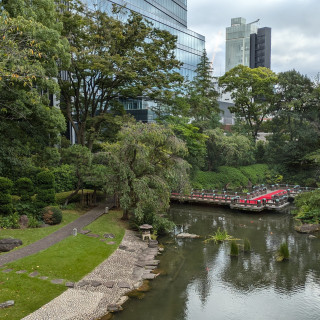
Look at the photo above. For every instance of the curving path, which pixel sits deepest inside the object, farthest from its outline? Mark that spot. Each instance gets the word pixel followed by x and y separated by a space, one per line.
pixel 56 236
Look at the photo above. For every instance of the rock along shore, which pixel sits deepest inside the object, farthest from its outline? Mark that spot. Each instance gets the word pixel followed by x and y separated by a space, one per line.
pixel 104 289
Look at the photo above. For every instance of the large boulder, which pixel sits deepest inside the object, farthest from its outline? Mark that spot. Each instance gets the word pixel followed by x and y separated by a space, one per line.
pixel 308 228
pixel 9 244
pixel 23 221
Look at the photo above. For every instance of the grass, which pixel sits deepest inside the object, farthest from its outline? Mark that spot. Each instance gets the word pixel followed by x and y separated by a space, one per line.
pixel 70 259
pixel 220 236
pixel 31 235
pixel 234 249
pixel 283 252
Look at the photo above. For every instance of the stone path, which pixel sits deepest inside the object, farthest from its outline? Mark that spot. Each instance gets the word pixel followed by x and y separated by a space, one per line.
pixel 104 288
pixel 55 237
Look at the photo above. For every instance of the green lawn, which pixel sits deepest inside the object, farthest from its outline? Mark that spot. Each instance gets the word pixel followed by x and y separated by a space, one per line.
pixel 34 234
pixel 70 259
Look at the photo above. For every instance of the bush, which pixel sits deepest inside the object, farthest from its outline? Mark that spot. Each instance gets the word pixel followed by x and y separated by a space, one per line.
pixel 5 185
pixel 308 207
pixel 45 197
pixel 28 208
pixel 52 215
pixel 6 207
pixel 25 189
pixel 256 173
pixel 45 180
pixel 65 178
pixel 33 222
pixel 10 221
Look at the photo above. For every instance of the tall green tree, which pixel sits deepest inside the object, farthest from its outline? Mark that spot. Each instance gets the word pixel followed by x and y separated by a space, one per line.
pixel 145 164
pixel 252 91
pixel 202 96
pixel 29 54
pixel 111 59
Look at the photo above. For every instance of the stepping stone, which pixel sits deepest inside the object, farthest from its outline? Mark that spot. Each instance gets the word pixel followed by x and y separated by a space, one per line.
pixel 148 276
pixel 57 281
pixel 150 267
pixel 92 235
pixel 131 250
pixel 43 277
pixel 7 270
pixel 95 283
pixel 21 271
pixel 84 231
pixel 114 308
pixel 70 284
pixel 109 284
pixel 152 263
pixel 34 274
pixel 103 240
pixel 111 242
pixel 123 284
pixel 140 264
pixel 6 304
pixel 122 247
pixel 83 283
pixel 109 235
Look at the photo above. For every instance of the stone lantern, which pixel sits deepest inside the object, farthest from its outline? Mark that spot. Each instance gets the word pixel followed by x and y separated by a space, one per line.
pixel 145 228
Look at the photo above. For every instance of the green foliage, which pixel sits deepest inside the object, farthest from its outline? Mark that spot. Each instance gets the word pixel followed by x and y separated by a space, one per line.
pixel 246 245
pixel 231 150
pixel 25 189
pixel 10 221
pixel 65 178
pixel 253 93
pixel 26 207
pixel 51 215
pixel 283 252
pixel 256 173
pixel 234 249
pixel 6 207
pixel 5 185
pixel 45 180
pixel 45 197
pixel 143 164
pixel 118 57
pixel 308 207
pixel 33 222
pixel 219 236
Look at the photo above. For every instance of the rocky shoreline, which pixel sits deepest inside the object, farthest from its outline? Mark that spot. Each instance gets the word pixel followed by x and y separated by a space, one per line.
pixel 104 289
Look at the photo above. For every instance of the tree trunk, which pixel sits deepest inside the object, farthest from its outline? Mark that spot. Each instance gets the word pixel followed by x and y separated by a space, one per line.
pixel 125 215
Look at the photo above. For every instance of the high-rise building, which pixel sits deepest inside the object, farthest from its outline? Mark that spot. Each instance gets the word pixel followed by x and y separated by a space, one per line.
pixel 260 48
pixel 247 45
pixel 170 15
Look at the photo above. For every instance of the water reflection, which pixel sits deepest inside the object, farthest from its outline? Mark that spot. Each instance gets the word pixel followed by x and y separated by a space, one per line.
pixel 204 282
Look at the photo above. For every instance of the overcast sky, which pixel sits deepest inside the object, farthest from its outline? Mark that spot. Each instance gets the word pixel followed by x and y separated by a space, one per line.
pixel 295 34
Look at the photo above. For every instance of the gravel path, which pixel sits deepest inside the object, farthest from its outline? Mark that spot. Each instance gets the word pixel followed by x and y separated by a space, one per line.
pixel 55 237
pixel 104 288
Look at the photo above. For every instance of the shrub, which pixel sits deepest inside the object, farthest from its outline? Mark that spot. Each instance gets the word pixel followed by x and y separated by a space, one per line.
pixel 6 207
pixel 45 197
pixel 65 178
pixel 256 173
pixel 45 180
pixel 10 221
pixel 28 208
pixel 33 222
pixel 25 188
pixel 52 215
pixel 5 185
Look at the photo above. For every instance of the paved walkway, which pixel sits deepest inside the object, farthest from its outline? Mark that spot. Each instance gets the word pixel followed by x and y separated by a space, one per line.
pixel 57 236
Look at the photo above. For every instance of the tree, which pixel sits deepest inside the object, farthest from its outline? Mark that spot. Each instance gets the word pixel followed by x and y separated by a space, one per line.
pixel 253 93
pixel 228 150
pixel 202 96
pixel 145 163
pixel 29 53
pixel 111 59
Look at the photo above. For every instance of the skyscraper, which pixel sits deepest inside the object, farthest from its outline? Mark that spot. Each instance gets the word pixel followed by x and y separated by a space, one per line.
pixel 247 45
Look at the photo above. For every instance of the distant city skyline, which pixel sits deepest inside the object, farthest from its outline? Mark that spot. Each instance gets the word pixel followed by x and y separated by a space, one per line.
pixel 294 23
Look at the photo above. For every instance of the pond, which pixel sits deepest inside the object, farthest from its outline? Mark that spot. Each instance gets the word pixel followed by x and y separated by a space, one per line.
pixel 202 281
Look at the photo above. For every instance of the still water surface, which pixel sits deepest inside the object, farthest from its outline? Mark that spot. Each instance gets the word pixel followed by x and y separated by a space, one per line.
pixel 203 282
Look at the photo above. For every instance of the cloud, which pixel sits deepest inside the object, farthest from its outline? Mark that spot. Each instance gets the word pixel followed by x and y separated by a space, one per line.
pixel 295 37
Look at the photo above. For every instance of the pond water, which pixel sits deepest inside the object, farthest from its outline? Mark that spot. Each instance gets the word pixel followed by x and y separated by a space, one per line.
pixel 203 281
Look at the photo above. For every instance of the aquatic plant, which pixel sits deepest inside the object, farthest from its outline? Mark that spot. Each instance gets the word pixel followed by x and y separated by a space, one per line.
pixel 283 252
pixel 220 236
pixel 246 245
pixel 234 249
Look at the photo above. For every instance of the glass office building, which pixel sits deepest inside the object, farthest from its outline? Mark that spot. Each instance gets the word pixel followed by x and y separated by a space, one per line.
pixel 238 42
pixel 170 15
